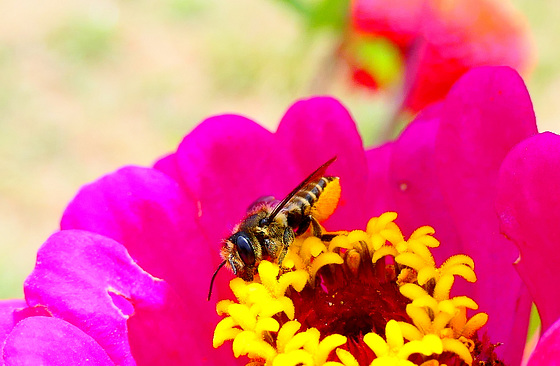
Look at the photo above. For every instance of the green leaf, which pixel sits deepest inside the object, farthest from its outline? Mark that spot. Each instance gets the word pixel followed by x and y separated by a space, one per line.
pixel 331 14
pixel 322 14
pixel 379 57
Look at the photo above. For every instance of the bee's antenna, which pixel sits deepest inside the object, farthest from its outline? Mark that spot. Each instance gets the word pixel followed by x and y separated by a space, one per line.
pixel 213 277
pixel 315 175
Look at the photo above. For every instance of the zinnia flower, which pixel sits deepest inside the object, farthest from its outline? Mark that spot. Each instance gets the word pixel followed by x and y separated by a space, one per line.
pixel 91 300
pixel 438 41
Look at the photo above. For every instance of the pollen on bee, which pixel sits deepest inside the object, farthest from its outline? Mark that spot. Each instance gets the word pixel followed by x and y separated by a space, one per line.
pixel 328 201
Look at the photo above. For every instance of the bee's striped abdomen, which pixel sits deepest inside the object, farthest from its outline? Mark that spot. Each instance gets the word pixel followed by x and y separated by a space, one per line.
pixel 307 201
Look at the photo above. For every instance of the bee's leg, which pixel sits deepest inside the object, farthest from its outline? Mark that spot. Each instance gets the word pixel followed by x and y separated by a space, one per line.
pixel 304 225
pixel 315 227
pixel 282 255
pixel 288 239
pixel 328 237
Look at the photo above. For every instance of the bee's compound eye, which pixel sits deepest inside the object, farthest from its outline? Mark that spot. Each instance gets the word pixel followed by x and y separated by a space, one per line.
pixel 245 249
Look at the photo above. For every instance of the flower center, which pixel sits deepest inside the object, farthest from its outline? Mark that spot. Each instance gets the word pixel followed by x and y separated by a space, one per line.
pixel 364 297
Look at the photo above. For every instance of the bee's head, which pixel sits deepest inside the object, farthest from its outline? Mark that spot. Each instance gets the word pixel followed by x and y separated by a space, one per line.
pixel 241 251
pixel 238 253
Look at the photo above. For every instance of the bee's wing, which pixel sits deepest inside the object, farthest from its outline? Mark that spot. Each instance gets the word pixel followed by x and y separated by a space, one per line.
pixel 316 175
pixel 259 202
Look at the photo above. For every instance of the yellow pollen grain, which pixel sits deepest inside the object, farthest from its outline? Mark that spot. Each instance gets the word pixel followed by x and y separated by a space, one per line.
pixel 413 291
pixel 421 250
pixel 412 260
pixel 377 241
pixel 222 306
pixel 461 270
pixel 346 357
pixel 268 273
pixel 420 318
pixel 457 347
pixel 327 345
pixel 422 231
pixel 286 333
pixel 410 332
pixel 376 224
pixel 225 331
pixel 288 263
pixel 270 307
pixel 317 247
pixel 358 235
pixel 426 302
pixel 440 322
pixel 238 286
pixel 247 343
pixel 305 339
pixel 296 279
pixel 323 260
pixel 267 325
pixel 377 344
pixel 392 236
pixel 294 358
pixel 395 351
pixel 458 259
pixel 465 301
pixel 307 246
pixel 241 314
pixel 340 241
pixel 262 321
pixel 382 252
pixel 443 287
pixel 425 274
pixel 474 324
pixel 425 348
pixel 394 334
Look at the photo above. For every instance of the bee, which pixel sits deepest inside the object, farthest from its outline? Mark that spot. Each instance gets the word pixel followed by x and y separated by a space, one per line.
pixel 270 227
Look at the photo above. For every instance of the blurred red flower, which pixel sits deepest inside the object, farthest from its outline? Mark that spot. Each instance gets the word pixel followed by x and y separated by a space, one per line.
pixel 437 41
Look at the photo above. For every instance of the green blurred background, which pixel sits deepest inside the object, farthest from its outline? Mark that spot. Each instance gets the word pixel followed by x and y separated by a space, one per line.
pixel 88 86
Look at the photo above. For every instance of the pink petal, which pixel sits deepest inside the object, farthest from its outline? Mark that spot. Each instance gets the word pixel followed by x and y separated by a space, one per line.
pixel 50 341
pixel 153 218
pixel 486 113
pixel 313 131
pixel 379 197
pixel 175 335
pixel 547 352
pixel 7 318
pixel 168 165
pixel 529 210
pixel 151 215
pixel 91 282
pixel 415 186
